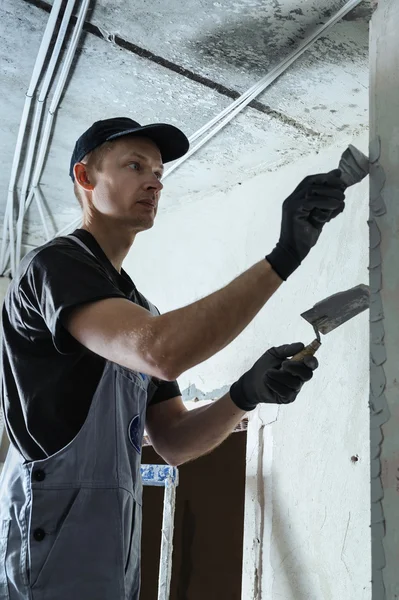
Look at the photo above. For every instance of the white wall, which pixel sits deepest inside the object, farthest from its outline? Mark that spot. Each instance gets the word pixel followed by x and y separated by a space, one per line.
pixel 307 509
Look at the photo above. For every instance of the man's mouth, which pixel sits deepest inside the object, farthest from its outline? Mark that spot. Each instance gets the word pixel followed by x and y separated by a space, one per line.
pixel 148 202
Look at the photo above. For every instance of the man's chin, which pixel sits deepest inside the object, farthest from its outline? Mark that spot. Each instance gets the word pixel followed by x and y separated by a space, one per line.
pixel 143 224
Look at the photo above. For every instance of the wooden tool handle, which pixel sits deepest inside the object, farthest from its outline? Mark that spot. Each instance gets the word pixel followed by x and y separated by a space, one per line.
pixel 310 350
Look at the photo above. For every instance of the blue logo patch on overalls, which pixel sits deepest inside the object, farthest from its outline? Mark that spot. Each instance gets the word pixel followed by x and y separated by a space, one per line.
pixel 134 432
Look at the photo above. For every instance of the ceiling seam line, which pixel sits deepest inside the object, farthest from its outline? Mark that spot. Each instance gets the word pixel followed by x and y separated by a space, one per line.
pixel 187 73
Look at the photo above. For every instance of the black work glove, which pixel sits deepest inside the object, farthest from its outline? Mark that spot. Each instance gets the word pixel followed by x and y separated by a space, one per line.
pixel 273 379
pixel 317 200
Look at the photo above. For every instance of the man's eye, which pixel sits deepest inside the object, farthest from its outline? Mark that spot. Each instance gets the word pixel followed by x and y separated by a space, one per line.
pixel 158 176
pixel 135 166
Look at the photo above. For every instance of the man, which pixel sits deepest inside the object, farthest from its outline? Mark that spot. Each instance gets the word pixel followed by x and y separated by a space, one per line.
pixel 88 362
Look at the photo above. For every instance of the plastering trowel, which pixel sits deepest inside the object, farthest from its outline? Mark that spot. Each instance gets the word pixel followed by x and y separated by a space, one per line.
pixel 335 310
pixel 327 315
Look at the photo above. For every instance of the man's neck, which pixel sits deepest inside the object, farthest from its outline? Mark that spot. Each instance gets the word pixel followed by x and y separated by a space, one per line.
pixel 114 240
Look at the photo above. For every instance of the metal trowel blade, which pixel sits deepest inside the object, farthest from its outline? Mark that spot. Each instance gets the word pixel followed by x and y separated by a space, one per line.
pixel 335 310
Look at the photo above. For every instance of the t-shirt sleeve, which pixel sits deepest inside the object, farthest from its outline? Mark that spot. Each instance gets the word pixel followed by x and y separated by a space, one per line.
pixel 165 391
pixel 60 279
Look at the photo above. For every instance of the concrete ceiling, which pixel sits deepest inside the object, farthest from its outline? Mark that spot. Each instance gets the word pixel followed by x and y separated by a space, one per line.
pixel 183 63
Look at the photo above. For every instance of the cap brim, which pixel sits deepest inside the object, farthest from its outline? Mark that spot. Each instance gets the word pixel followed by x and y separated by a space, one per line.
pixel 172 142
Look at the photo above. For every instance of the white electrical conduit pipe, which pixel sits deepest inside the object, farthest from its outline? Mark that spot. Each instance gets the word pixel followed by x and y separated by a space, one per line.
pixel 68 228
pixel 46 135
pixel 8 224
pixel 54 103
pixel 40 205
pixel 58 91
pixel 280 68
pixel 35 128
pixel 8 271
pixel 38 194
pixel 238 105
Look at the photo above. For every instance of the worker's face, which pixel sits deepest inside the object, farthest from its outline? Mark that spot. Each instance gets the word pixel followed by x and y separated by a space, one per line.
pixel 127 187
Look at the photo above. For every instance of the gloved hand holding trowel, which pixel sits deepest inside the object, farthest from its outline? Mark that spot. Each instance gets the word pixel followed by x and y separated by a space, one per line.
pixel 276 378
pixel 316 200
pixel 279 374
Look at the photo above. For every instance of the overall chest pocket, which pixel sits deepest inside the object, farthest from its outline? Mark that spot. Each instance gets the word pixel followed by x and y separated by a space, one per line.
pixel 130 413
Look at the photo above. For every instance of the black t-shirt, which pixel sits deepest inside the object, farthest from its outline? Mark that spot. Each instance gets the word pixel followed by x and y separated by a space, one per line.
pixel 49 379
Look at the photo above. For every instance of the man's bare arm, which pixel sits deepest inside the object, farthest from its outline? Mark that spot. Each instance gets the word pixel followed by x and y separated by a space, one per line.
pixel 167 345
pixel 179 435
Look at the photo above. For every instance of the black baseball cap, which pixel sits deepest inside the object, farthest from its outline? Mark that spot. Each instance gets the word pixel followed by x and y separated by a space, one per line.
pixel 172 142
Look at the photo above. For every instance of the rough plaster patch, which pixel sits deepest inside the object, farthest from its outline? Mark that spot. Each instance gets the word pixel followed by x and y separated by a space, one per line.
pixel 379 408
pixel 193 393
pixel 375 150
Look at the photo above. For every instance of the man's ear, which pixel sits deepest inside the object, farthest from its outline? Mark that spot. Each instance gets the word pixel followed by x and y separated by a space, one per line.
pixel 82 176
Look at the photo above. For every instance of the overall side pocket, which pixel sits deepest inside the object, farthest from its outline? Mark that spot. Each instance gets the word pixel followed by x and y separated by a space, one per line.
pixel 4 530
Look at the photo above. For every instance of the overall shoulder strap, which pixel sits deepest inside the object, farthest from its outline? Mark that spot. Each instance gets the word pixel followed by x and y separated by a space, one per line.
pixel 81 244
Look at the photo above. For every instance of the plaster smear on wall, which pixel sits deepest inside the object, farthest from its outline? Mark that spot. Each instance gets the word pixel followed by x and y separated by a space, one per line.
pixel 307 503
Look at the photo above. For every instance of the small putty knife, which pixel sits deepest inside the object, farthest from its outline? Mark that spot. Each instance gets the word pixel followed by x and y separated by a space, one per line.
pixel 354 166
pixel 332 312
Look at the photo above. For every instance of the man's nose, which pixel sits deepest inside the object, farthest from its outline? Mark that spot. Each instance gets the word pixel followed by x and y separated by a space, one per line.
pixel 154 183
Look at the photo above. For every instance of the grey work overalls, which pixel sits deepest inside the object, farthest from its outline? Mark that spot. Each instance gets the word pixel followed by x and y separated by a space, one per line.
pixel 70 524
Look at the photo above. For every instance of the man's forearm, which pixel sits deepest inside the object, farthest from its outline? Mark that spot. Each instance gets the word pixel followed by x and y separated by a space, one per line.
pixel 190 335
pixel 198 431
